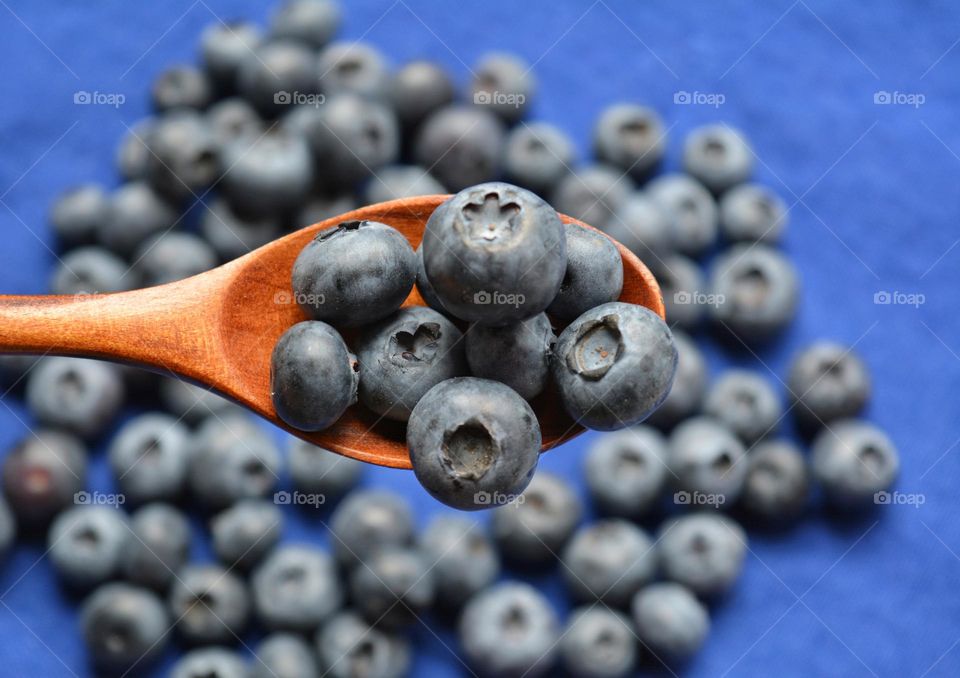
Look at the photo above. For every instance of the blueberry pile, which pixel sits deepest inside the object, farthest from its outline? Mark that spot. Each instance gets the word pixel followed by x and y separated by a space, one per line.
pixel 292 127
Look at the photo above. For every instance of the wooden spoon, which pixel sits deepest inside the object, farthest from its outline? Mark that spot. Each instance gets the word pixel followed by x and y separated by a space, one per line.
pixel 219 328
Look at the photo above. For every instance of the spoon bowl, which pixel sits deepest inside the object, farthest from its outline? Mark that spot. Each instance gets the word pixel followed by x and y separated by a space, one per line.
pixel 218 330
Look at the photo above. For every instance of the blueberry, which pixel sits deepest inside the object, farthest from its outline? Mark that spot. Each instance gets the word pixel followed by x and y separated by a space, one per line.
pixel 777 482
pixel 355 68
pixel 630 137
pixel 463 557
pixel 495 254
pixel 14 368
pixel 231 235
pixel 210 662
pixel 472 439
pixel 183 155
pixel 594 273
pixel 745 403
pixel 284 655
pixel 683 288
pixel 312 22
pixel 313 377
pixel 592 194
pixel 643 227
pixel 314 470
pixel 707 461
pixel 404 356
pixel 533 529
pixel 368 520
pixel 756 290
pixel 170 257
pixel 691 210
pixel 752 213
pixel 158 546
pixel 322 207
pixel 717 155
pixel 417 90
pixel 689 385
pixel 209 604
pixel 89 270
pixel 510 630
pixel 133 155
pixel 124 627
pixel 136 213
pixel 149 456
pixel 333 284
pixel 232 119
pixel 81 396
pixel 267 175
pixel 598 643
pixel 702 551
pixel 401 181
pixel 232 459
pixel 827 382
pixel 393 587
pixel 626 471
pixel 244 533
pixel 41 475
pixel 608 561
pixel 224 47
pixel 8 528
pixel 517 355
pixel 461 145
pixel 270 75
pixel 86 543
pixel 351 137
pixel 503 83
pixel 670 621
pixel 348 647
pixel 537 156
pixel 181 87
pixel 296 589
pixel 853 461
pixel 423 284
pixel 190 403
pixel 614 365
pixel 77 214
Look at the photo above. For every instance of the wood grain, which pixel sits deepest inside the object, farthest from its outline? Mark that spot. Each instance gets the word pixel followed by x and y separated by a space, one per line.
pixel 218 329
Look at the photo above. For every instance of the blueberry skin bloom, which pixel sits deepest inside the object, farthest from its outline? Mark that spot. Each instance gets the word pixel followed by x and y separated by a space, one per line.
pixel 313 377
pixel 670 621
pixel 473 439
pixel 124 626
pixel 495 254
pixel 510 630
pixel 404 356
pixel 517 355
pixel 354 273
pixel 854 461
pixel 614 365
pixel 594 273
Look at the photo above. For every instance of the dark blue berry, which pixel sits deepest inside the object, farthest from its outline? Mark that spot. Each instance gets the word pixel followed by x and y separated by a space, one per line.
pixel 826 382
pixel 503 83
pixel 853 461
pixel 210 662
pixel 267 175
pixel 150 457
pixel 312 22
pixel 691 209
pixel 159 545
pixel 631 138
pixel 689 385
pixel 91 270
pixel 752 213
pixel 296 589
pixel 708 463
pixel 181 87
pixel 354 68
pixel 598 643
pixel 537 156
pixel 626 471
pixel 270 75
pixel 393 587
pixel 702 551
pixel 348 647
pixel 464 559
pixel 718 156
pixel 401 181
pixel 86 544
pixel 517 355
pixel 643 227
pixel 368 520
pixel 244 533
pixel 42 474
pixel 594 273
pixel 77 214
pixel 532 530
pixel 592 194
pixel 745 403
pixel 78 395
pixel 314 470
pixel 461 145
pixel 231 235
pixel 417 90
pixel 670 621
pixel 608 561
pixel 136 213
pixel 224 46
pixel 777 482
pixel 125 628
pixel 209 605
pixel 284 655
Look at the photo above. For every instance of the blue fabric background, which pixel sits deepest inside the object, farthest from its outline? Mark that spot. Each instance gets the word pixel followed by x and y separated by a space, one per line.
pixel 875 208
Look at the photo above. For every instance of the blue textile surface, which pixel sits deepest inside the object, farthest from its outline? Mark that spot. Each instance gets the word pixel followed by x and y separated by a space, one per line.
pixel 873 187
